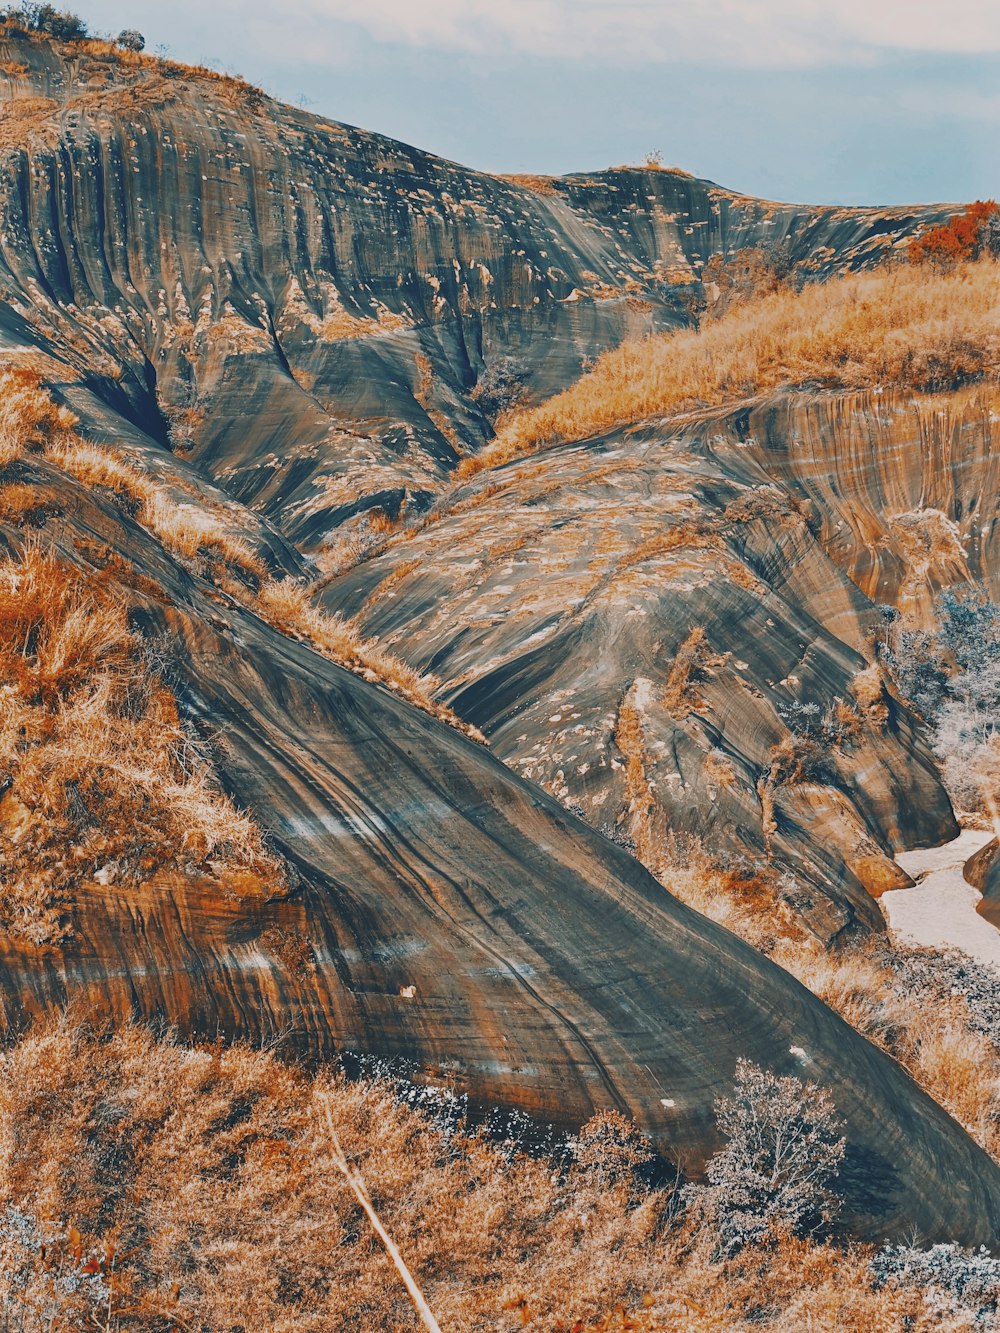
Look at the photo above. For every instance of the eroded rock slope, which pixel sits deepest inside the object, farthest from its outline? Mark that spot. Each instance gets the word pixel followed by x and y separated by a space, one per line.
pixel 301 309
pixel 673 627
pixel 306 305
pixel 444 911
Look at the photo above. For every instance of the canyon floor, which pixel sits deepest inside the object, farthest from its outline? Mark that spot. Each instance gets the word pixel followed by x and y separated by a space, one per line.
pixel 939 912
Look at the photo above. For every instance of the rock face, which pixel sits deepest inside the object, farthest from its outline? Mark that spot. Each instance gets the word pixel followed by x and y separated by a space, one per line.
pixel 671 627
pixel 311 307
pixel 302 310
pixel 983 873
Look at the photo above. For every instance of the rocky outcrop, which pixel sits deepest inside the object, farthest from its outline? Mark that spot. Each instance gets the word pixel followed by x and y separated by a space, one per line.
pixel 899 488
pixel 306 306
pixel 664 627
pixel 983 872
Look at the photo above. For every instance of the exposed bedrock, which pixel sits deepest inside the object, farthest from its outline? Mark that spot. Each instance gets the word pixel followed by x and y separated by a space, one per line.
pixel 983 873
pixel 902 490
pixel 452 914
pixel 306 304
pixel 305 319
pixel 659 627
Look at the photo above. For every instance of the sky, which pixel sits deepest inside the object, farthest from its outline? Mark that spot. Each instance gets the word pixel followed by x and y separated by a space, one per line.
pixel 815 101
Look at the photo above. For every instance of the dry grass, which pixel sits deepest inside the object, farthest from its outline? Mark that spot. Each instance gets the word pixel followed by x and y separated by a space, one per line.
pixel 907 325
pixel 935 1040
pixel 174 1188
pixel 958 1066
pixel 536 184
pixel 694 662
pixel 97 775
pixel 639 799
pixel 109 56
pixel 29 419
pixel 688 535
pixel 746 899
pixel 288 605
pixel 201 536
pixel 188 531
pixel 19 504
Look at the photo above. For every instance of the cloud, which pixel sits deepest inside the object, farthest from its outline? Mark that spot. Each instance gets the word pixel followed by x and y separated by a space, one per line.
pixel 749 33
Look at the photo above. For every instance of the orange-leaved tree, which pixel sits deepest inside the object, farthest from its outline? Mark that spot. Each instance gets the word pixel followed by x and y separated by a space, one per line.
pixel 966 235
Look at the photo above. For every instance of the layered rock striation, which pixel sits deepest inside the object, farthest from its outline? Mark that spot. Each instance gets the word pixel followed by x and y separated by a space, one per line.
pixel 281 321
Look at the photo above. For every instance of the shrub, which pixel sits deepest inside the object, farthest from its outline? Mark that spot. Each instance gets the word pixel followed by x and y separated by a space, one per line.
pixel 953 678
pixel 957 1280
pixel 915 662
pixel 501 385
pixel 694 664
pixel 131 40
pixel 970 627
pixel 731 280
pixel 965 236
pixel 610 1151
pixel 59 23
pixel 783 1153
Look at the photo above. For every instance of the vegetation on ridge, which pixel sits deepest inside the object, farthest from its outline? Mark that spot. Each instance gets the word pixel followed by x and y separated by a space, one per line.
pixel 99 779
pixel 201 536
pixel 918 326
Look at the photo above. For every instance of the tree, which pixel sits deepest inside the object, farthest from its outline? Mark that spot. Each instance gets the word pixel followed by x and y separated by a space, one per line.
pixel 131 40
pixel 783 1152
pixel 966 235
pixel 47 19
pixel 970 627
pixel 611 1151
pixel 953 679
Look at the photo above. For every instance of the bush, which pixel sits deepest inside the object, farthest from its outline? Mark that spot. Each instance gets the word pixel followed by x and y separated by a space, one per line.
pixel 730 280
pixel 784 1151
pixel 60 23
pixel 611 1151
pixel 953 678
pixel 956 1280
pixel 501 385
pixel 131 40
pixel 967 235
pixel 915 662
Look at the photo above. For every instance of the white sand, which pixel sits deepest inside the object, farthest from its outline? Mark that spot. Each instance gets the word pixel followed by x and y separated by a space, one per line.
pixel 941 910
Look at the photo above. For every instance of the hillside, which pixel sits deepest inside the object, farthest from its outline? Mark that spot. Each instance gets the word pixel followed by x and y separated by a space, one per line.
pixel 241 346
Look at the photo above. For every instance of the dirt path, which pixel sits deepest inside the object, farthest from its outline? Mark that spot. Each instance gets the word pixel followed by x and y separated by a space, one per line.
pixel 941 909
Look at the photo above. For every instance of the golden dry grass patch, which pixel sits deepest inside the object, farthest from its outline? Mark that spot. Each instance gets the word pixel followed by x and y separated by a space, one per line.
pixel 906 325
pixel 183 1188
pixel 288 605
pixel 97 773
